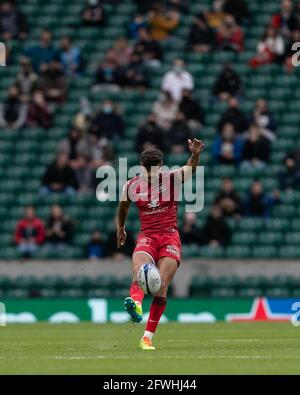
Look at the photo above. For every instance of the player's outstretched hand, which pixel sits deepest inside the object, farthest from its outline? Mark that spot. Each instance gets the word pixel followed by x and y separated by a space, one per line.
pixel 195 146
pixel 121 237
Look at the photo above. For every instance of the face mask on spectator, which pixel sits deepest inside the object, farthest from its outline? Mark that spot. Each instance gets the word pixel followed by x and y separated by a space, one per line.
pixel 178 69
pixel 93 3
pixel 107 109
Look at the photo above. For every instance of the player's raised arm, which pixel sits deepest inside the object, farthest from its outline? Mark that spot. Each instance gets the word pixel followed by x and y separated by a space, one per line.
pixel 196 147
pixel 121 217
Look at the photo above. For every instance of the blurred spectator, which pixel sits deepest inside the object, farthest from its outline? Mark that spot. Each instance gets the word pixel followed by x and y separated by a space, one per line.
pixel 59 227
pixel 230 36
pixel 135 26
pixel 95 247
pixel 93 14
pixel 109 73
pixel 13 24
pixel 227 149
pixel 98 150
pixel 53 83
pixel 177 79
pixel 26 80
pixel 178 134
pixel 122 51
pixel 70 57
pixel 150 134
pixel 59 177
pixel 285 20
pixel 39 114
pixel 216 15
pixel 148 48
pixel 118 254
pixel 258 203
pixel 165 110
pixel 43 53
pixel 270 49
pixel 108 122
pixel 215 232
pixel 72 146
pixel 228 83
pixel 189 233
pixel 201 37
pixel 192 110
pixel 13 112
pixel 289 177
pixel 235 116
pixel 162 21
pixel 228 199
pixel 257 149
pixel 135 73
pixel 85 175
pixel 238 9
pixel 82 118
pixel 263 118
pixel 29 233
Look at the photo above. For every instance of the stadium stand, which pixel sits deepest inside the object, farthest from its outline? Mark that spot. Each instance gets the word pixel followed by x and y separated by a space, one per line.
pixel 25 153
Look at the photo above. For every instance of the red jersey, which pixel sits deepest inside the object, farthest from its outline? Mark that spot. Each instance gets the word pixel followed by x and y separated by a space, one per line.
pixel 157 203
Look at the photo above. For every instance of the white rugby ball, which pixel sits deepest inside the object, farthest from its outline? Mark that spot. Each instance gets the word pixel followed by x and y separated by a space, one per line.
pixel 149 279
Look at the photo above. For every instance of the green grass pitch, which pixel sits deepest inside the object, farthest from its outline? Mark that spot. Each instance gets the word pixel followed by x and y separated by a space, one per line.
pixel 221 348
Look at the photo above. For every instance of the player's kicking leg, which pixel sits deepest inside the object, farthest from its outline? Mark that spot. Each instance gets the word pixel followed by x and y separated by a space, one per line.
pixel 133 303
pixel 167 268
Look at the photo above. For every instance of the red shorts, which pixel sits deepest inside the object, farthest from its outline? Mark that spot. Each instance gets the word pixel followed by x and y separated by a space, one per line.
pixel 159 245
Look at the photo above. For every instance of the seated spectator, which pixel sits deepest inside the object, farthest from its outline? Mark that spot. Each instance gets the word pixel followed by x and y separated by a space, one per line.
pixel 228 83
pixel 82 118
pixel 289 177
pixel 119 254
pixel 285 20
pixel 29 233
pixel 108 122
pixel 72 146
pixel 228 199
pixel 165 110
pixel 192 110
pixel 235 116
pixel 269 50
pixel 135 73
pixel 95 247
pixel 59 177
pixel 109 74
pixel 70 57
pixel 59 227
pixel 135 26
pixel 39 114
pixel 53 83
pixel 150 134
pixel 148 48
pixel 215 232
pixel 85 175
pixel 227 149
pixel 256 150
pixel 42 54
pixel 238 9
pixel 26 81
pixel 264 119
pixel 258 203
pixel 13 112
pixel 176 80
pixel 201 37
pixel 290 51
pixel 178 134
pixel 13 24
pixel 162 21
pixel 215 16
pixel 230 36
pixel 189 233
pixel 93 14
pixel 98 150
pixel 122 51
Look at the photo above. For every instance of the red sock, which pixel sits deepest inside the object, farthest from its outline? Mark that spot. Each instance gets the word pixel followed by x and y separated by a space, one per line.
pixel 136 293
pixel 157 308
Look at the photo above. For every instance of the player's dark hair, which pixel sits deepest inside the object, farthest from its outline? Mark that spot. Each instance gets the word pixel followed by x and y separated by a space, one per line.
pixel 151 157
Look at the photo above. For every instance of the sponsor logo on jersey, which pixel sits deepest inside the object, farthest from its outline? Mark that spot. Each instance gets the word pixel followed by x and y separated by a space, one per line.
pixel 144 242
pixel 173 250
pixel 153 204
